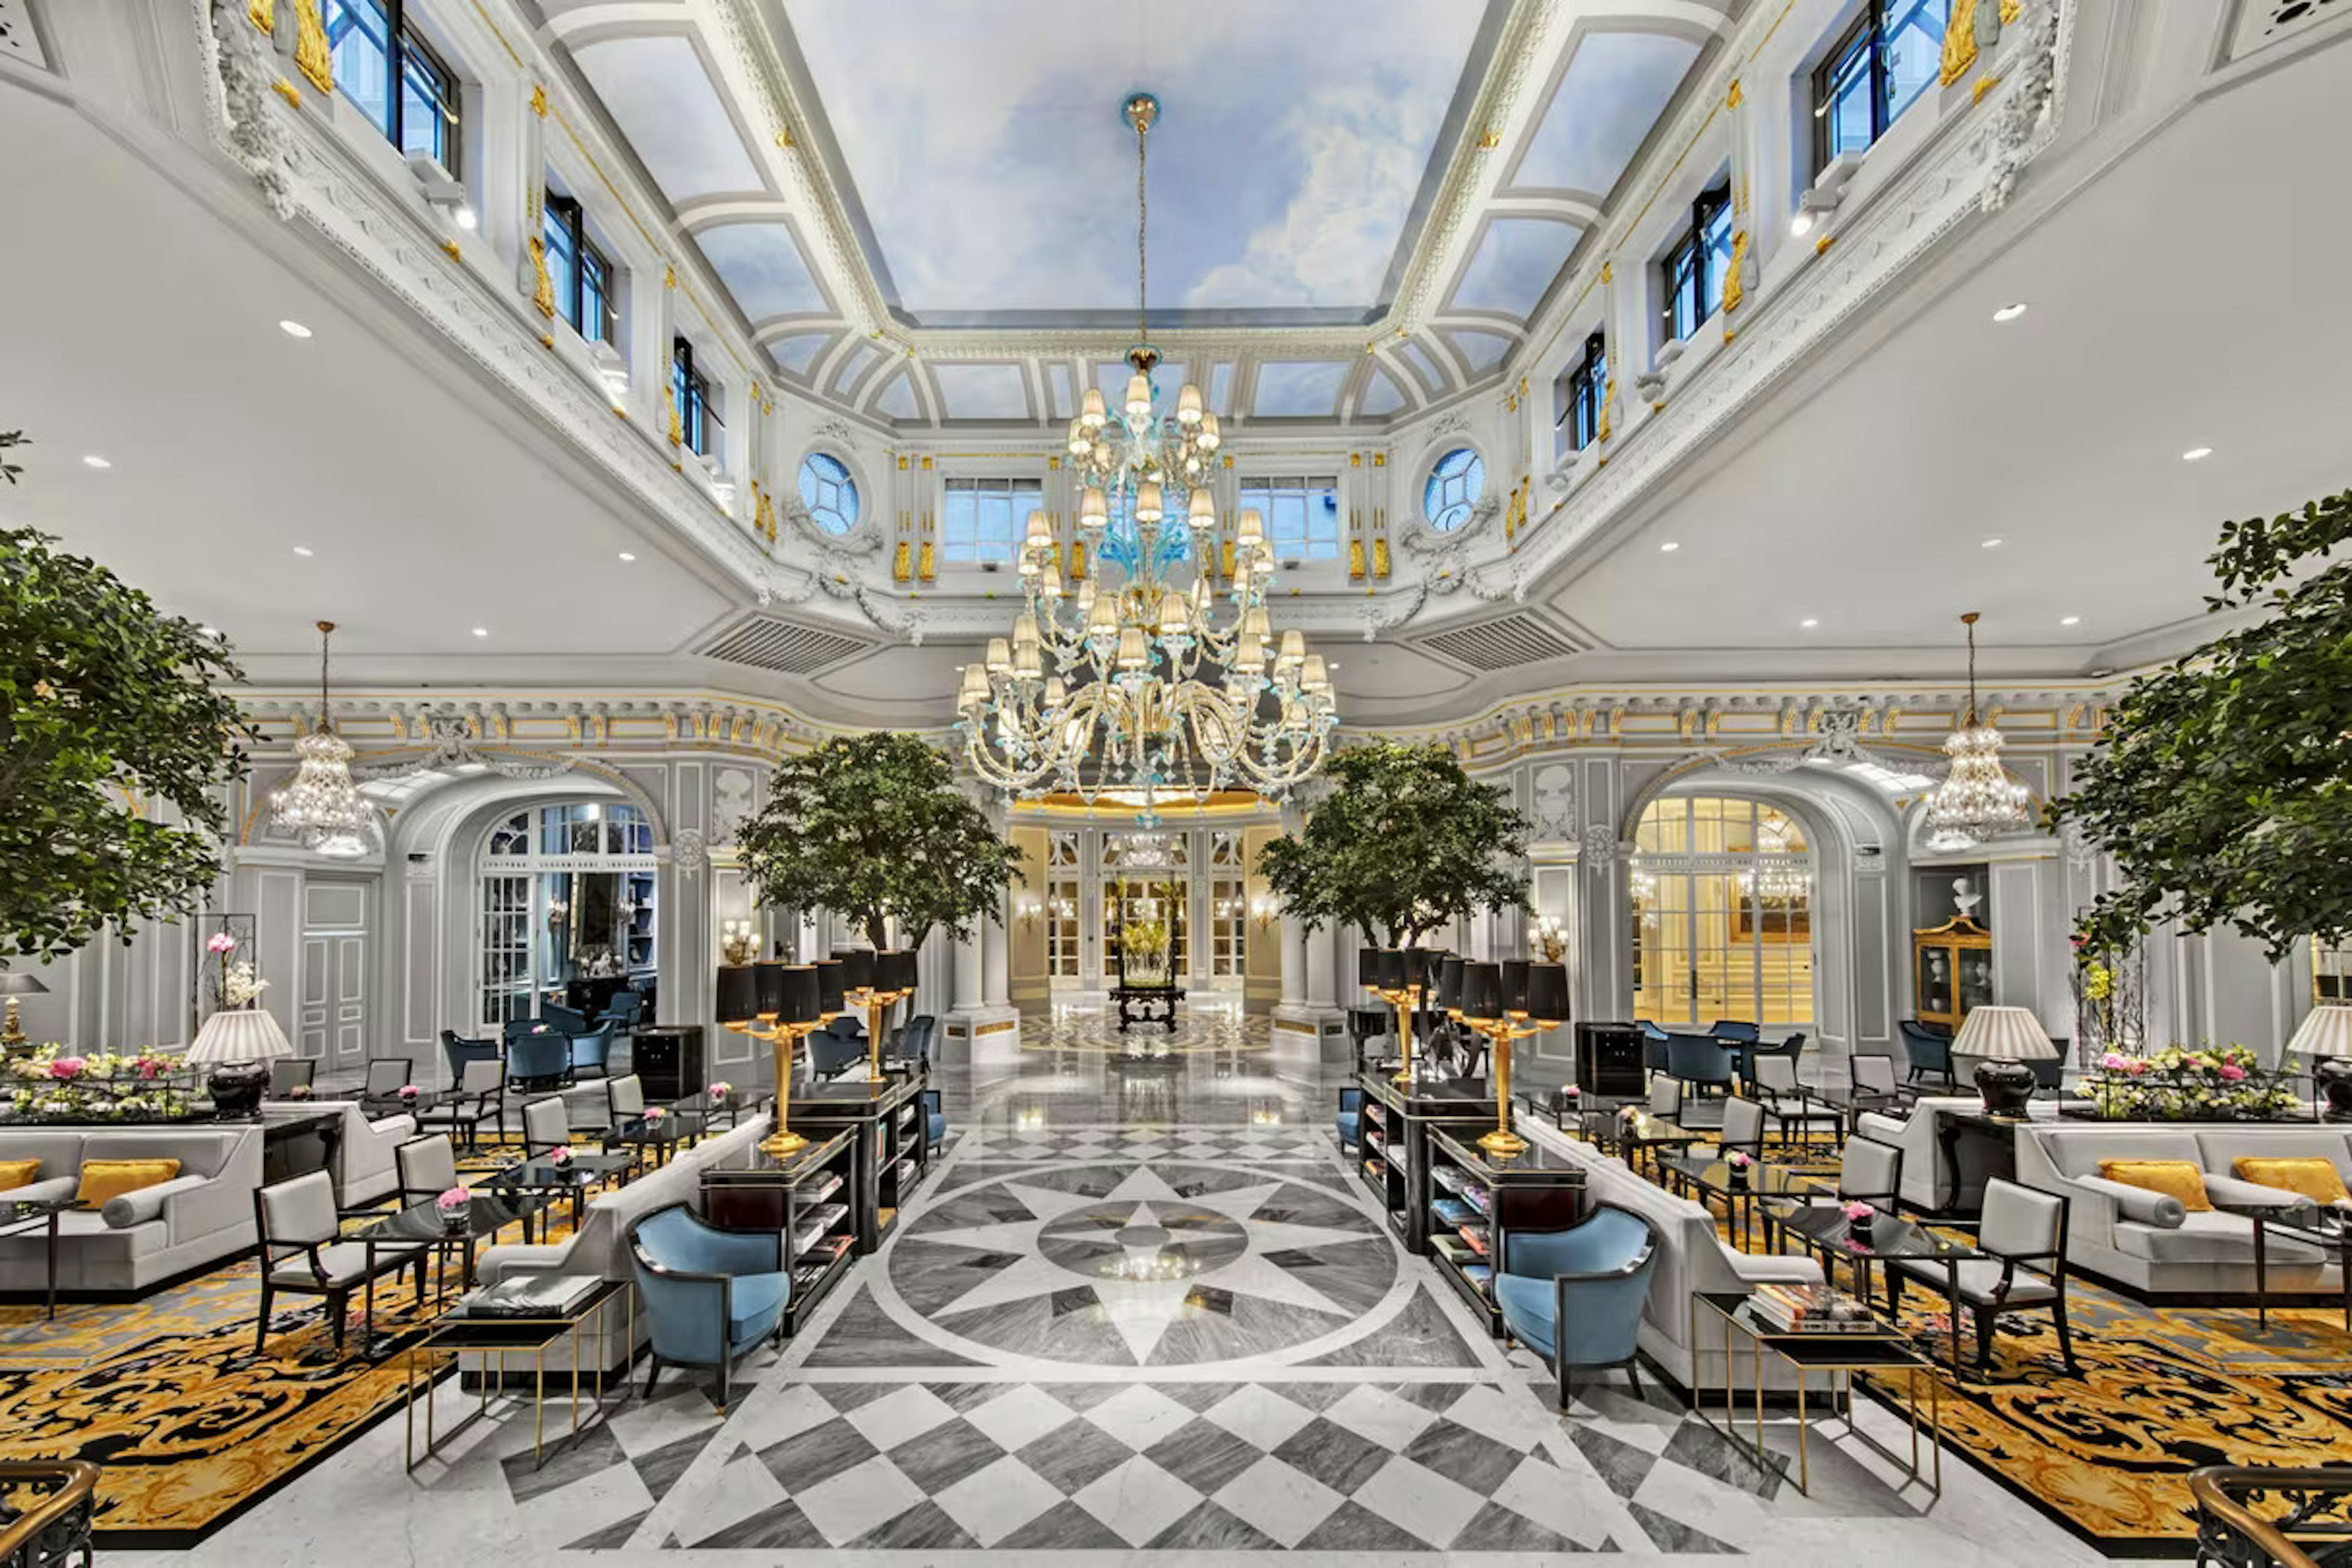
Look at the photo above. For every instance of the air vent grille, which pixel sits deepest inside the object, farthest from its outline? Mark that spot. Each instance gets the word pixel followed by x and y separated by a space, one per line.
pixel 1503 644
pixel 785 647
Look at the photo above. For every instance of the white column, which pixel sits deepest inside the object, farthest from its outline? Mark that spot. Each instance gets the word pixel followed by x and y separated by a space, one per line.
pixel 1321 955
pixel 996 963
pixel 1294 962
pixel 968 971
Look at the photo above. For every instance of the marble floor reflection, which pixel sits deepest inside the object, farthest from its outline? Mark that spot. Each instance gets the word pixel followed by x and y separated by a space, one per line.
pixel 1140 1312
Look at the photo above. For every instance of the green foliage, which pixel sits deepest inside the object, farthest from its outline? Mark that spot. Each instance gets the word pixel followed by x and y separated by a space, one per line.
pixel 9 438
pixel 1403 844
pixel 2220 785
pixel 871 827
pixel 109 711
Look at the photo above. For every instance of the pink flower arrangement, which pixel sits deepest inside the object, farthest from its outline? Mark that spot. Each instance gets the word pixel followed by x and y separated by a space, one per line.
pixel 454 1200
pixel 1737 1160
pixel 408 1092
pixel 1570 1092
pixel 221 942
pixel 2231 1073
pixel 2115 1061
pixel 654 1115
pixel 721 1089
pixel 559 1155
pixel 1859 1211
pixel 67 1066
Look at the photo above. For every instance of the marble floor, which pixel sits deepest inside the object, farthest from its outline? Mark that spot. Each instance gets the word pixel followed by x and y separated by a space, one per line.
pixel 1140 1313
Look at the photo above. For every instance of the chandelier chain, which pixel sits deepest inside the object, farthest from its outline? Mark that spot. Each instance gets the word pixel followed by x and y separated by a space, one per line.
pixel 1142 223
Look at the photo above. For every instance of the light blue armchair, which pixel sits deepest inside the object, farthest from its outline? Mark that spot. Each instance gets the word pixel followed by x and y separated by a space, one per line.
pixel 1928 1048
pixel 711 1295
pixel 1352 1119
pixel 935 1120
pixel 1575 1297
pixel 836 1047
pixel 593 1049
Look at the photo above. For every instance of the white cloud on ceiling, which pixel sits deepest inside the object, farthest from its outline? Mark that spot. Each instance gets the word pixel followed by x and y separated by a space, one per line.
pixel 762 268
pixel 1514 262
pixel 1485 351
pixel 981 391
pixel 1615 87
pixel 899 400
pixel 1297 389
pixel 799 352
pixel 1382 396
pixel 658 93
pixel 1293 137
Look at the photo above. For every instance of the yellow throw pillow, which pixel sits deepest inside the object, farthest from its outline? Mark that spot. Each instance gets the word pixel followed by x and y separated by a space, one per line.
pixel 2316 1177
pixel 18 1173
pixel 2174 1178
pixel 104 1179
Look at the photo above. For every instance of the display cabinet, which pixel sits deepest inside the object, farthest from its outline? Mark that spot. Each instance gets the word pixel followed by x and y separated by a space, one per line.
pixel 1951 971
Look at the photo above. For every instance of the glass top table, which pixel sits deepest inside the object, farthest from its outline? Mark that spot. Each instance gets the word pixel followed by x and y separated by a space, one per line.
pixel 1716 1177
pixel 2327 1228
pixel 542 1173
pixel 1881 1238
pixel 22 1216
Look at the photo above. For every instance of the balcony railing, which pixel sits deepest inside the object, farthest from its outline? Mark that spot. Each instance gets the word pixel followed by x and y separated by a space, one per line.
pixel 45 1513
pixel 2305 1523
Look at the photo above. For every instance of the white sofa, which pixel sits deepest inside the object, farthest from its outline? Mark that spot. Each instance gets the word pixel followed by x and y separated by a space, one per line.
pixel 141 1239
pixel 1694 1259
pixel 600 1246
pixel 2146 1241
pixel 1928 1183
pixel 364 1172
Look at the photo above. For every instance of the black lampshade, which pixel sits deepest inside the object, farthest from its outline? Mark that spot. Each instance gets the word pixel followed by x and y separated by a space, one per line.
pixel 894 969
pixel 1482 991
pixel 1515 984
pixel 857 968
pixel 17 983
pixel 797 990
pixel 772 986
pixel 1389 970
pixel 828 986
pixel 1547 1001
pixel 738 992
pixel 1449 983
pixel 1431 959
pixel 1368 967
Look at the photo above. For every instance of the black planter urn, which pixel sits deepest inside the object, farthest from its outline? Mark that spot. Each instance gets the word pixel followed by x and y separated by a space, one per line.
pixel 236 1088
pixel 2005 1087
pixel 2334 1076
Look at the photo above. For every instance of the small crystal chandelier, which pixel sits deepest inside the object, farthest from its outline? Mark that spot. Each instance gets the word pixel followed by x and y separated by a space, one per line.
pixel 1977 800
pixel 1126 683
pixel 320 805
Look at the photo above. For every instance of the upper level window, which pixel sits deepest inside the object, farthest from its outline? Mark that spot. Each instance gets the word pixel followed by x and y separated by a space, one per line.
pixel 1873 73
pixel 582 276
pixel 1693 271
pixel 830 494
pixel 1302 516
pixel 697 414
pixel 395 78
pixel 1453 489
pixel 986 519
pixel 1582 391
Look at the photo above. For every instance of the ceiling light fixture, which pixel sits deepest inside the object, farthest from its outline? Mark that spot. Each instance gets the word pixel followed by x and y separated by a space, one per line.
pixel 2070 620
pixel 94 461
pixel 1669 547
pixel 304 550
pixel 2194 454
pixel 294 329
pixel 1126 681
pixel 1809 622
pixel 627 556
pixel 2009 312
pixel 322 806
pixel 481 631
pixel 1977 799
pixel 467 218
pixel 1990 544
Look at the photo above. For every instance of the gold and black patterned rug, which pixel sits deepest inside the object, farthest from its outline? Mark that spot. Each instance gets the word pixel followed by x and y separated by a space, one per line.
pixel 188 1426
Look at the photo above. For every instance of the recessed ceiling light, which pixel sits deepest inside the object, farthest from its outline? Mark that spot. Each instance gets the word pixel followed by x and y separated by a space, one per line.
pixel 294 329
pixel 1668 548
pixel 2009 312
pixel 627 556
pixel 304 550
pixel 1809 622
pixel 1990 544
pixel 2196 454
pixel 467 219
pixel 95 461
pixel 481 631
pixel 2070 620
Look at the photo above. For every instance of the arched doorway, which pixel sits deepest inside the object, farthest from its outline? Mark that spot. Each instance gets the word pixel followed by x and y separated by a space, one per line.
pixel 567 896
pixel 1720 889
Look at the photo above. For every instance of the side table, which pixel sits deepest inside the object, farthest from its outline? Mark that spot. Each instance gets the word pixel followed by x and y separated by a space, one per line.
pixel 502 1337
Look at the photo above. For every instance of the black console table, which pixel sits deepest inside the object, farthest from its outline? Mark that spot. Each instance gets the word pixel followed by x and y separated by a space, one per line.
pixel 1146 1005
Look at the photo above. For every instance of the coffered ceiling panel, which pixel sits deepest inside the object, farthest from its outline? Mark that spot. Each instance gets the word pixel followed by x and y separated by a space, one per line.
pixel 1298 389
pixel 659 93
pixel 1300 141
pixel 1615 87
pixel 798 353
pixel 763 267
pixel 1382 396
pixel 982 391
pixel 1516 262
pixel 1481 351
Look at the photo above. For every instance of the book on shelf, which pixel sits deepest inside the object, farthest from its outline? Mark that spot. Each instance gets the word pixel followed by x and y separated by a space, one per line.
pixel 825 1188
pixel 1452 1248
pixel 1479 1198
pixel 1453 1211
pixel 1451 1177
pixel 1811 1310
pixel 1375 1142
pixel 1475 1235
pixel 1482 1275
pixel 541 1295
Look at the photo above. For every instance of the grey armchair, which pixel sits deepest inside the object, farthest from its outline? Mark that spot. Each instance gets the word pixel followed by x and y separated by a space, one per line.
pixel 1928 1047
pixel 2020 1227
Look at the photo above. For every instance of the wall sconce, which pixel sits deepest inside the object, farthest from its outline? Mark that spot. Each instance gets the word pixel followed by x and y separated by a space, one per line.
pixel 736 942
pixel 1028 908
pixel 1263 909
pixel 1551 935
pixel 1821 197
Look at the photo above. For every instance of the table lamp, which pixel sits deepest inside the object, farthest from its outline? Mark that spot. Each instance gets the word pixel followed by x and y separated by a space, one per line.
pixel 15 982
pixel 795 991
pixel 240 1042
pixel 2324 1035
pixel 2004 1040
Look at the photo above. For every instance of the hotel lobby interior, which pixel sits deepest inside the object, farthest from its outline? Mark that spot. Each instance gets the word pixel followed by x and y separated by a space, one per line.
pixel 1002 781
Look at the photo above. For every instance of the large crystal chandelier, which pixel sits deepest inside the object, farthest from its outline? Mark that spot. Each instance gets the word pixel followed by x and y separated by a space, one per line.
pixel 1131 678
pixel 1977 799
pixel 320 805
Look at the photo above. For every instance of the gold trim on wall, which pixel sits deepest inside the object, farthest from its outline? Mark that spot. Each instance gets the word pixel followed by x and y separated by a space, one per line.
pixel 310 52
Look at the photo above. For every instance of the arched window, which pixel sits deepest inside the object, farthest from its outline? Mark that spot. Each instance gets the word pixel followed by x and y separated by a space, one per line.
pixel 1722 894
pixel 828 492
pixel 567 904
pixel 1453 489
